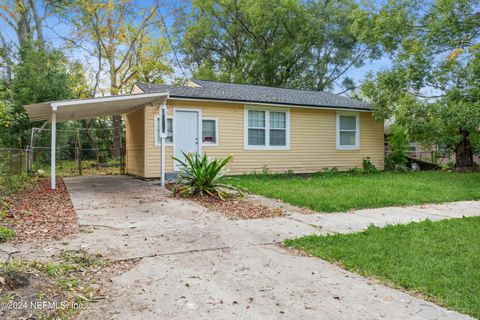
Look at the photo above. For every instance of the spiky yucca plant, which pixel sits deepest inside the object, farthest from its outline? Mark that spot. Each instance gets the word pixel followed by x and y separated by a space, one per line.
pixel 201 175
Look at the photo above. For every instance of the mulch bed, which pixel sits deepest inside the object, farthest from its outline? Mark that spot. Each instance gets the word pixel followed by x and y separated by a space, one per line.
pixel 238 208
pixel 235 207
pixel 39 213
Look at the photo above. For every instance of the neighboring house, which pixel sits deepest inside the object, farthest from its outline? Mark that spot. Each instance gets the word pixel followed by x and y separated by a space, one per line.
pixel 261 127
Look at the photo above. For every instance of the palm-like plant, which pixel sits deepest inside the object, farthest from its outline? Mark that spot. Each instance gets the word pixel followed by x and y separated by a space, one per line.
pixel 201 175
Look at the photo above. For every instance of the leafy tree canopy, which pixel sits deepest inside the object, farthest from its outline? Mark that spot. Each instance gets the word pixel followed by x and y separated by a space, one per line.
pixel 433 86
pixel 288 43
pixel 41 74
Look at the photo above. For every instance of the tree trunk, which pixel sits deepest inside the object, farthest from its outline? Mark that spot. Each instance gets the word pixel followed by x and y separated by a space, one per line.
pixel 8 60
pixel 463 151
pixel 23 25
pixel 38 22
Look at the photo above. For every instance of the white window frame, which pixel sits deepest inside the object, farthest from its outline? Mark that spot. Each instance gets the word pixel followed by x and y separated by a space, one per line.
pixel 267 146
pixel 357 131
pixel 209 144
pixel 155 128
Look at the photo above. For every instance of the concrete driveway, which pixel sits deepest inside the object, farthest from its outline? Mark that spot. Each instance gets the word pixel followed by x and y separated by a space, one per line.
pixel 197 264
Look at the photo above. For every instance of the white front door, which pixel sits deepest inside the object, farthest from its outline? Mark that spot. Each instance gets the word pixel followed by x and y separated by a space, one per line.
pixel 186 133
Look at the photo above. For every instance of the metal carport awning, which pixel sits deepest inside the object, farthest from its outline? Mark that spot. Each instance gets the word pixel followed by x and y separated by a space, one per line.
pixel 61 111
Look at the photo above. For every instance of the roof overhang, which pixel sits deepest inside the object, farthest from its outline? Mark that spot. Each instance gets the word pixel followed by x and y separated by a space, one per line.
pixel 259 103
pixel 92 108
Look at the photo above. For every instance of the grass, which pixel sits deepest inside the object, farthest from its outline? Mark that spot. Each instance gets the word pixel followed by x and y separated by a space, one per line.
pixel 438 260
pixel 6 234
pixel 69 168
pixel 329 192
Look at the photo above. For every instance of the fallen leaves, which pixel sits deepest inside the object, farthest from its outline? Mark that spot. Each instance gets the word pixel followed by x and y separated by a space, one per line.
pixel 239 208
pixel 39 213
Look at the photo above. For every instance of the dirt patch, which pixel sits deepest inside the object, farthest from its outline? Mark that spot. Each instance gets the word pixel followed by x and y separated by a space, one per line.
pixel 278 204
pixel 238 208
pixel 56 289
pixel 39 213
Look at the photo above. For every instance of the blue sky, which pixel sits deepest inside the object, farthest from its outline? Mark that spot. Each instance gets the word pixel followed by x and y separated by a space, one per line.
pixel 54 30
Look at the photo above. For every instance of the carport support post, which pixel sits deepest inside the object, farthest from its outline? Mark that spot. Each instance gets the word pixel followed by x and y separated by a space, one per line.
pixel 163 163
pixel 163 134
pixel 53 147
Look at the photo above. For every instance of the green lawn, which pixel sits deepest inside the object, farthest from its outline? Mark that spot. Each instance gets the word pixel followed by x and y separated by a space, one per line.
pixel 342 192
pixel 438 260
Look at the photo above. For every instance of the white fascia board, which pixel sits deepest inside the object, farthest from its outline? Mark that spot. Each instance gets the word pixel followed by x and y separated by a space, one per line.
pixel 109 99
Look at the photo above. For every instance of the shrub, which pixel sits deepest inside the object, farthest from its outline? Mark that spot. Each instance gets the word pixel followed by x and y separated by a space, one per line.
pixel 368 166
pixel 6 234
pixel 265 170
pixel 201 175
pixel 398 142
pixel 12 183
pixel 392 165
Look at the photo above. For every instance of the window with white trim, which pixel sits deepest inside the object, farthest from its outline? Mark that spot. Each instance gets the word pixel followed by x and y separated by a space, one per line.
pixel 256 128
pixel 348 131
pixel 169 138
pixel 209 131
pixel 266 129
pixel 278 128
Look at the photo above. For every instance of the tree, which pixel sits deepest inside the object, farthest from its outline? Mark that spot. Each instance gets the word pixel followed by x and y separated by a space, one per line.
pixel 287 43
pixel 124 37
pixel 18 15
pixel 433 86
pixel 41 74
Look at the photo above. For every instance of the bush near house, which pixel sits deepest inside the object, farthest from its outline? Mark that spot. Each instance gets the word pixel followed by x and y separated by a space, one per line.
pixel 201 175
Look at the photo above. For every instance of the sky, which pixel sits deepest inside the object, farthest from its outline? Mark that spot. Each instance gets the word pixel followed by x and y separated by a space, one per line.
pixel 55 32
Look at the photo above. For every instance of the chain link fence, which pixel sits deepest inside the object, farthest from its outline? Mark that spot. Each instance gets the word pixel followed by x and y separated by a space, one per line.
pixel 79 151
pixel 13 161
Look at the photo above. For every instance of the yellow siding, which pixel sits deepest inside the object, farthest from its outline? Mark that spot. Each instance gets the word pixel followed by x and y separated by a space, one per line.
pixel 312 141
pixel 135 143
pixel 153 152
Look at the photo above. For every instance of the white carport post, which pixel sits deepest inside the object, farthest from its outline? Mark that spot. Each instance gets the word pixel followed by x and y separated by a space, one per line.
pixel 53 145
pixel 163 135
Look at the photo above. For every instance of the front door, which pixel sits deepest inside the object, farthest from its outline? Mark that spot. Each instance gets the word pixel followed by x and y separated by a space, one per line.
pixel 186 134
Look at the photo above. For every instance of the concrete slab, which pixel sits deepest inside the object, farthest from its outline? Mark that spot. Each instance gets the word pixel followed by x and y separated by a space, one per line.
pixel 197 264
pixel 257 282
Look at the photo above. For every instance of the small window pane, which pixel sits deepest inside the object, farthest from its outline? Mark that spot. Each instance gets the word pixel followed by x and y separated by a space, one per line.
pixel 256 119
pixel 347 138
pixel 278 137
pixel 169 138
pixel 278 120
pixel 348 123
pixel 209 131
pixel 256 137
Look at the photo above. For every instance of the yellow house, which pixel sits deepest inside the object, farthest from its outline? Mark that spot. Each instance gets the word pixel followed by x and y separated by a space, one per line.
pixel 261 127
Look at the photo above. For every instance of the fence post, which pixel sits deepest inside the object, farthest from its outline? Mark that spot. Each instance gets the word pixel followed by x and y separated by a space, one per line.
pixel 20 162
pixel 78 156
pixel 27 158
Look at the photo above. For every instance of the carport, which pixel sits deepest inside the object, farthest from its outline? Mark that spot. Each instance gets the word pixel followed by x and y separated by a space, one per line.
pixel 66 110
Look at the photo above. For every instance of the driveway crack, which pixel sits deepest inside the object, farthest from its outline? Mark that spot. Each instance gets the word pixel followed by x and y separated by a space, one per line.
pixel 174 253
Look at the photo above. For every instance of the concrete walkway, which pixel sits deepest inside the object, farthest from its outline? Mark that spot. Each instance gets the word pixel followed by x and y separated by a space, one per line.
pixel 197 264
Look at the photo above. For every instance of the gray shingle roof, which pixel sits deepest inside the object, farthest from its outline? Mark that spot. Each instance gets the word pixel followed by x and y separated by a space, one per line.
pixel 260 94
